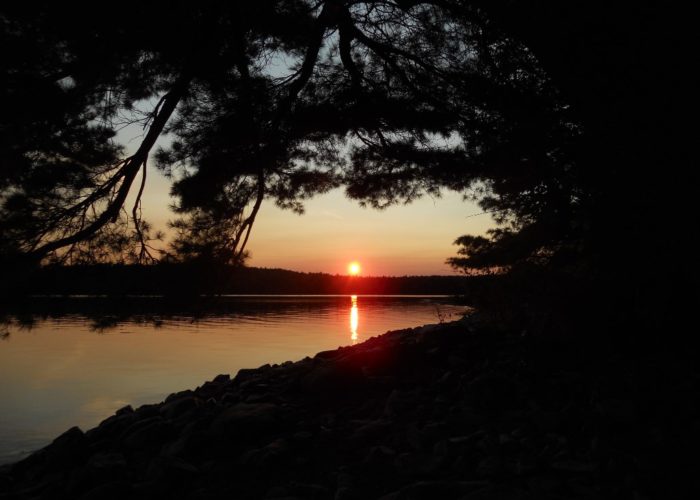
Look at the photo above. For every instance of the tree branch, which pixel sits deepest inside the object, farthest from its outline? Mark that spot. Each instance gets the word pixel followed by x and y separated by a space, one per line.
pixel 128 172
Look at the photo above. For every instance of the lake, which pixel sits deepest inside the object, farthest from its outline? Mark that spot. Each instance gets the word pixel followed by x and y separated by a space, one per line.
pixel 75 361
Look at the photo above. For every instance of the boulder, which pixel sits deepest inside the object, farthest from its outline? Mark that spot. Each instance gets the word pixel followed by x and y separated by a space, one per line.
pixel 248 422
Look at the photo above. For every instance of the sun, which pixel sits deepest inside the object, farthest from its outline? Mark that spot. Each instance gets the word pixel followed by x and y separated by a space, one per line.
pixel 354 268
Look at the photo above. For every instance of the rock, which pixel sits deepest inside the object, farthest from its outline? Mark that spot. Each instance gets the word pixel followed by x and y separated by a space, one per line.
pixel 448 380
pixel 68 448
pixel 495 492
pixel 441 448
pixel 5 479
pixel 431 490
pixel 374 362
pixel 101 468
pixel 345 493
pixel 410 465
pixel 573 466
pixel 464 441
pixel 146 433
pixel 380 456
pixel 400 403
pixel 345 479
pixel 117 490
pixel 617 410
pixel 310 491
pixel 223 378
pixel 543 485
pixel 433 432
pixel 112 426
pixel 190 443
pixel 327 354
pixel 415 438
pixel 147 411
pixel 277 492
pixel 171 471
pixel 177 407
pixel 456 362
pixel 332 380
pixel 248 422
pixel 106 465
pixel 493 393
pixel 229 398
pixel 124 410
pixel 302 436
pixel 69 438
pixel 245 374
pixel 209 391
pixel 179 395
pixel 394 495
pixel 274 454
pixel 371 430
pixel 491 466
pixel 546 421
pixel 526 464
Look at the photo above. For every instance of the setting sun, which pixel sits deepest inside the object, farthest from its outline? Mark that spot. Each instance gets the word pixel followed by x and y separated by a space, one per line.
pixel 354 268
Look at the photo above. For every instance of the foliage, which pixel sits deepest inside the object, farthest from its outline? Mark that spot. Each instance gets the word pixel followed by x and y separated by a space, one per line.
pixel 564 123
pixel 279 100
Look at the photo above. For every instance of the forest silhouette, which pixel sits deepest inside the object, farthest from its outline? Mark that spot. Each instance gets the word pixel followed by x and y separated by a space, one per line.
pixel 182 281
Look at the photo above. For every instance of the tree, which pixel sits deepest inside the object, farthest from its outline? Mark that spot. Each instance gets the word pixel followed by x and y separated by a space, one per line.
pixel 532 108
pixel 622 71
pixel 390 99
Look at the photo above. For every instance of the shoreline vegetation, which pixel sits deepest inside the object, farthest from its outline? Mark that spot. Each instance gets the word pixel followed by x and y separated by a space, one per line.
pixel 188 280
pixel 459 410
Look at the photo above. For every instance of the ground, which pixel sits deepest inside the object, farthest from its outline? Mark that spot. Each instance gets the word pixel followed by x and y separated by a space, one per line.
pixel 458 410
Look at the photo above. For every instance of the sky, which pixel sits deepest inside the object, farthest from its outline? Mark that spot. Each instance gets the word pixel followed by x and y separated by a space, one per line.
pixel 401 240
pixel 334 231
pixel 412 239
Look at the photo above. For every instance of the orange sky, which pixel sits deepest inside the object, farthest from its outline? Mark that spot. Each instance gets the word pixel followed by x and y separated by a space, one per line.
pixel 401 240
pixel 413 239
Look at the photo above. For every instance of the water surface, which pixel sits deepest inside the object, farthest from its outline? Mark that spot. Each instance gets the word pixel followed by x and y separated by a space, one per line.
pixel 66 362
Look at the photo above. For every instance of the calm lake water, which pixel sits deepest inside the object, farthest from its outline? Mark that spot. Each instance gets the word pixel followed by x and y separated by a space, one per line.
pixel 66 362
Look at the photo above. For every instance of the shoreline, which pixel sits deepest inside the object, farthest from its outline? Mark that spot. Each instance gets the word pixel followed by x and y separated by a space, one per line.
pixel 452 410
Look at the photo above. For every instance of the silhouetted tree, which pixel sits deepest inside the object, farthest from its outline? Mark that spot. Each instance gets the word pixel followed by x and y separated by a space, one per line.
pixel 621 70
pixel 280 100
pixel 544 112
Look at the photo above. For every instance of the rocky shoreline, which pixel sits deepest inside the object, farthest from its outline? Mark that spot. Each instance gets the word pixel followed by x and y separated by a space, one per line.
pixel 451 411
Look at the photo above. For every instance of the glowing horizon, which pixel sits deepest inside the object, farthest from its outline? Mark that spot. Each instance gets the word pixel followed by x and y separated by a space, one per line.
pixel 400 240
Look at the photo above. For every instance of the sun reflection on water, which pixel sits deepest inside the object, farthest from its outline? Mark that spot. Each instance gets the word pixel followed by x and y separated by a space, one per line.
pixel 354 319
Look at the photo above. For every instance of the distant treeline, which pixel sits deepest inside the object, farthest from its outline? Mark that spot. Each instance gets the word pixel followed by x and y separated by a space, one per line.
pixel 183 279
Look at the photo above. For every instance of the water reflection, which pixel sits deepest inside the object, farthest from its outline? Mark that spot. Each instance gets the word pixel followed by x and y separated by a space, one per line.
pixel 56 373
pixel 354 319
